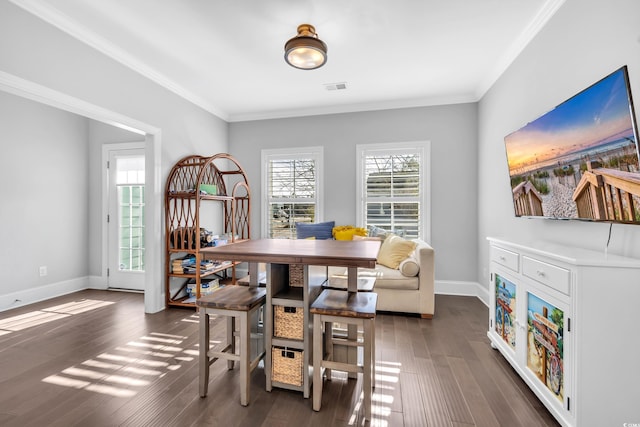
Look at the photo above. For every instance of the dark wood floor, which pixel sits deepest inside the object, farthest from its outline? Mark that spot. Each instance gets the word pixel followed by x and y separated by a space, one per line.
pixel 89 364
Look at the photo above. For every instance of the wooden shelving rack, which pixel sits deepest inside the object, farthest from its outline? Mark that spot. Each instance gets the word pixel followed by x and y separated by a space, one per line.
pixel 184 199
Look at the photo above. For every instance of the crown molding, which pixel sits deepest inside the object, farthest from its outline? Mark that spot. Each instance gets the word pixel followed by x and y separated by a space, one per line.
pixel 547 11
pixel 354 108
pixel 30 90
pixel 76 30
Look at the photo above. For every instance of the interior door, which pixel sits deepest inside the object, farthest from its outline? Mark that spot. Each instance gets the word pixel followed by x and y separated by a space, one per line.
pixel 126 227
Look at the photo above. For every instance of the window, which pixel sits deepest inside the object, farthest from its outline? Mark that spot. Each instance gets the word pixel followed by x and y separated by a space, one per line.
pixel 291 190
pixel 393 188
pixel 130 188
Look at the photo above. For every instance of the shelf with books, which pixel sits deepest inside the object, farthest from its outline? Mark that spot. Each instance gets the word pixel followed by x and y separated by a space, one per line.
pixel 220 181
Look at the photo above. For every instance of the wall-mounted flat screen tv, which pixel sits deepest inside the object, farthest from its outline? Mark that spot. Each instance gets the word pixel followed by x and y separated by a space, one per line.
pixel 580 160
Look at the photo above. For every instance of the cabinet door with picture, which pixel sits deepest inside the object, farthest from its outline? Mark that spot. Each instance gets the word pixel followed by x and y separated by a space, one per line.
pixel 505 307
pixel 546 343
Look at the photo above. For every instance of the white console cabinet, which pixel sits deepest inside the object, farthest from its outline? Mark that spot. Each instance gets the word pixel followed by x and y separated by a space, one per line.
pixel 568 321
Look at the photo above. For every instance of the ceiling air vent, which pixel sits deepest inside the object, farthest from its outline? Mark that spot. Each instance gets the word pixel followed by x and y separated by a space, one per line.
pixel 335 86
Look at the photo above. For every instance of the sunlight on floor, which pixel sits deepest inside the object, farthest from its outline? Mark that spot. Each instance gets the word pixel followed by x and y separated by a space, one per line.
pixel 46 315
pixel 126 370
pixel 78 307
pixel 191 319
pixel 387 377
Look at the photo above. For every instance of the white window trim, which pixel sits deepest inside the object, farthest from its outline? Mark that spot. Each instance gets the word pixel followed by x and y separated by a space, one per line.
pixel 424 147
pixel 267 155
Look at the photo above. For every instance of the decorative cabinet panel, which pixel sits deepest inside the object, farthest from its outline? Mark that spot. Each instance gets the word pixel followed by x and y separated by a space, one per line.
pixel 505 310
pixel 546 347
pixel 565 318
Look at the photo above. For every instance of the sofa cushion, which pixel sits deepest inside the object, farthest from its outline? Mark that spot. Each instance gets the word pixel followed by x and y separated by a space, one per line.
pixel 394 250
pixel 340 281
pixel 390 278
pixel 386 278
pixel 321 230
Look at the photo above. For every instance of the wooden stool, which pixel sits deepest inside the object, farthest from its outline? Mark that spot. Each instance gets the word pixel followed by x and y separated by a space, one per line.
pixel 236 303
pixel 352 308
pixel 364 284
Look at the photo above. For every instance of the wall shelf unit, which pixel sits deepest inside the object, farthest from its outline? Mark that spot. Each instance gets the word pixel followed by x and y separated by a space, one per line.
pixel 201 193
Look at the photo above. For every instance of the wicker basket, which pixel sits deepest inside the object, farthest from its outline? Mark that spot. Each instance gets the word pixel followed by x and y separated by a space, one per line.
pixel 296 275
pixel 288 322
pixel 287 366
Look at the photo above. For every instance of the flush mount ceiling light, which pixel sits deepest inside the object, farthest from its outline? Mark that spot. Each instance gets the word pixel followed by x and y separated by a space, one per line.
pixel 305 51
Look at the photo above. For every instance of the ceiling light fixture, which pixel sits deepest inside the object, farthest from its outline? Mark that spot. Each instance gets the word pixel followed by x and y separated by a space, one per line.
pixel 305 51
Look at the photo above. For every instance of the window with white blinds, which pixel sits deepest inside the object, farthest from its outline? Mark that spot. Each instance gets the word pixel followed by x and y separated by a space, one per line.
pixel 393 190
pixel 291 190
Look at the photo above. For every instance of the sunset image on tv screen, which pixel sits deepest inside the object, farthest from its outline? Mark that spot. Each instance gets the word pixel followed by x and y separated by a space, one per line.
pixel 580 160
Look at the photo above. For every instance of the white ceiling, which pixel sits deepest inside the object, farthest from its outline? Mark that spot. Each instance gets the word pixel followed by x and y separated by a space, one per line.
pixel 227 56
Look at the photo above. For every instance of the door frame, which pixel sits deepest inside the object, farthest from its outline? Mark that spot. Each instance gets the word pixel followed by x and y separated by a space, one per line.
pixel 107 148
pixel 154 293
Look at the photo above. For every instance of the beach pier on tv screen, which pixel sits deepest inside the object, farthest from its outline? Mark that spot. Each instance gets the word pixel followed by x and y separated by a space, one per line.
pixel 580 160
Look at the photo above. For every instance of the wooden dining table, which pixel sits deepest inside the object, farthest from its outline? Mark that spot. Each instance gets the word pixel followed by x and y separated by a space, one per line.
pixel 349 254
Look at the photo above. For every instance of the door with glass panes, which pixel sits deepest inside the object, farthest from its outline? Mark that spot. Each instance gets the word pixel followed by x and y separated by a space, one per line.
pixel 126 258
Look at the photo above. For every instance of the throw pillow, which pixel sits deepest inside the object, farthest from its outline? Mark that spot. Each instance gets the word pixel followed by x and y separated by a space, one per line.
pixel 347 232
pixel 374 231
pixel 394 250
pixel 409 267
pixel 321 230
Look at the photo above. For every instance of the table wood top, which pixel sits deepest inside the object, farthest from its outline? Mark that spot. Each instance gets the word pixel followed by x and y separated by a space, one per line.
pixel 341 253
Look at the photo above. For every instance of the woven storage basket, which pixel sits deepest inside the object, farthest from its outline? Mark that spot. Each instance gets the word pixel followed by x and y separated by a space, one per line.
pixel 287 365
pixel 296 275
pixel 288 322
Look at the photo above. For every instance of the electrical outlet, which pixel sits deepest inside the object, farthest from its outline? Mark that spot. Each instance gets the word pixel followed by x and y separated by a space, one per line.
pixel 43 271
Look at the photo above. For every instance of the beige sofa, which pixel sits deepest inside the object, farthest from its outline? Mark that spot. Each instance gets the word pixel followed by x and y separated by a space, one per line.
pixel 397 292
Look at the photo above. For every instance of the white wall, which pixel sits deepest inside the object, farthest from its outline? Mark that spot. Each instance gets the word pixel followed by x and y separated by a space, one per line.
pixel 583 42
pixel 452 130
pixel 41 54
pixel 44 208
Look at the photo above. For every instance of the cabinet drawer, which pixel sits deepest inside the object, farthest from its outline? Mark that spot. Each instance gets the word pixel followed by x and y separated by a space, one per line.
pixel 555 277
pixel 504 257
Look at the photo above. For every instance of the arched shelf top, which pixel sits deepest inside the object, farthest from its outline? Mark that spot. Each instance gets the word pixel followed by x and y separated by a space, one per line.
pixel 193 172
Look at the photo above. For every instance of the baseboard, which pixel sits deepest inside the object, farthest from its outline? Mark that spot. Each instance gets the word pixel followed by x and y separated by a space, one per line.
pixel 41 293
pixel 97 282
pixel 455 287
